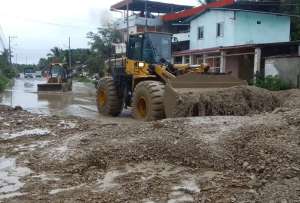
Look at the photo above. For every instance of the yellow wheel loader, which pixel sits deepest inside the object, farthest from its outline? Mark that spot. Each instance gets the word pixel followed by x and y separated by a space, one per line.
pixel 147 81
pixel 58 79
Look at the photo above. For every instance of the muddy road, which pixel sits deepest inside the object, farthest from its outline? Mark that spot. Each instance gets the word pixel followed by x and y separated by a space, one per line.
pixel 224 159
pixel 79 102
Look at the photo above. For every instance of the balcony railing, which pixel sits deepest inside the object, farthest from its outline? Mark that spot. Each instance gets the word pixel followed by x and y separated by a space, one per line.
pixel 182 36
pixel 136 20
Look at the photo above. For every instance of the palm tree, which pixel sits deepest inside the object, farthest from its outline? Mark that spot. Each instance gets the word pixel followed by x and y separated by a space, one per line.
pixel 55 52
pixel 56 55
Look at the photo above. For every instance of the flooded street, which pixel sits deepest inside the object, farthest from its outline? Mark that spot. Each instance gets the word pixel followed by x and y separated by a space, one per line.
pixel 79 102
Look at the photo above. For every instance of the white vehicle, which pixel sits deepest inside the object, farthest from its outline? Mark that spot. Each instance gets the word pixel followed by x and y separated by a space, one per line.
pixel 38 74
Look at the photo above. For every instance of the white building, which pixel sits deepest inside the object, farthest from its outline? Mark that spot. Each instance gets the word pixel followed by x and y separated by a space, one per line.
pixel 231 27
pixel 236 40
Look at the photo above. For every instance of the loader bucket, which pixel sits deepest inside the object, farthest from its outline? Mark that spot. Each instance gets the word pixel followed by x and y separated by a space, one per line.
pixel 50 87
pixel 192 84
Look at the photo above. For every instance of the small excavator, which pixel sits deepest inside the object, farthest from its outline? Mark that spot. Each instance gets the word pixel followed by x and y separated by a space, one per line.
pixel 146 80
pixel 58 79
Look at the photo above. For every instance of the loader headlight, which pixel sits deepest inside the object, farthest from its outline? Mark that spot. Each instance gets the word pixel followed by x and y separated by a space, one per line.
pixel 141 64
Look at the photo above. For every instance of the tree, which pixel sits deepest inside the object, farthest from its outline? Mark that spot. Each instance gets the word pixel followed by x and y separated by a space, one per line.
pixel 56 55
pixel 102 47
pixel 4 59
pixel 5 68
pixel 55 52
pixel 43 63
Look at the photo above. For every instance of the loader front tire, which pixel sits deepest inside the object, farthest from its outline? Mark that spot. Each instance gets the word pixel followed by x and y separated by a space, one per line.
pixel 147 101
pixel 108 101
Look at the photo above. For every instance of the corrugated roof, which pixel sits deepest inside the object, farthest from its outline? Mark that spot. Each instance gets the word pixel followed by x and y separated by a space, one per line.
pixel 152 6
pixel 237 10
pixel 194 11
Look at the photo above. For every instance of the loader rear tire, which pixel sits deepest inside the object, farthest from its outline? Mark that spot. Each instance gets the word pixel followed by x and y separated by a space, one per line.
pixel 147 101
pixel 108 101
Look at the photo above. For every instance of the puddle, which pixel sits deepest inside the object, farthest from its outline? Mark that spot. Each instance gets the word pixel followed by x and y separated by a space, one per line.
pixel 10 176
pixel 28 133
pixel 189 186
pixel 147 171
pixel 183 193
pixel 180 197
pixel 67 124
pixel 31 147
pixel 55 191
pixel 45 177
pixel 108 181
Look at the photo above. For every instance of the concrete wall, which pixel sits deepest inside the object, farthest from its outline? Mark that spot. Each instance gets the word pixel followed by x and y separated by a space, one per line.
pixel 240 28
pixel 272 28
pixel 209 21
pixel 232 65
pixel 240 66
pixel 287 68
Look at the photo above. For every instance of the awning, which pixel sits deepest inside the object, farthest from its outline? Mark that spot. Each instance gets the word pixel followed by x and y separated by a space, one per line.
pixel 236 47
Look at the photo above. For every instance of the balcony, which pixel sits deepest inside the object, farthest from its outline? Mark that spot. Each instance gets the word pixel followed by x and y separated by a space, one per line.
pixel 135 20
pixel 181 37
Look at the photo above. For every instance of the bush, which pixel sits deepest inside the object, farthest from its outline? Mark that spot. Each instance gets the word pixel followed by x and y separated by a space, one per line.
pixel 3 82
pixel 273 83
pixel 9 72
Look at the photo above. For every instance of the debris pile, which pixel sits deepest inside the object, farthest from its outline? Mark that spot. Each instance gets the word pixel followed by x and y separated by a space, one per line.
pixel 251 158
pixel 237 101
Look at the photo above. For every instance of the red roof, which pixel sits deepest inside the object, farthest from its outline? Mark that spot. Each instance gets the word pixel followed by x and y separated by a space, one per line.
pixel 193 11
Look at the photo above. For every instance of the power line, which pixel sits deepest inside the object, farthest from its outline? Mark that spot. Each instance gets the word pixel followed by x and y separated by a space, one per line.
pixel 63 25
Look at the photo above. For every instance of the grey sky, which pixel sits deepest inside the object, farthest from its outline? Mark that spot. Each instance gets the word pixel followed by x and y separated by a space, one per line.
pixel 42 24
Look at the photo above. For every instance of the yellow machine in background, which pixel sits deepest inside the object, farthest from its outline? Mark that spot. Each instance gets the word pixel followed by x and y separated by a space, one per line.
pixel 58 79
pixel 140 79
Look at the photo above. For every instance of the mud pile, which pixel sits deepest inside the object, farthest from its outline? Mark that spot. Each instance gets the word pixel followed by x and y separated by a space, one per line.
pixel 201 159
pixel 237 101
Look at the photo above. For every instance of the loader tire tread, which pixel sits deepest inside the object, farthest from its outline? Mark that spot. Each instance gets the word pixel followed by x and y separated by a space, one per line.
pixel 153 92
pixel 114 104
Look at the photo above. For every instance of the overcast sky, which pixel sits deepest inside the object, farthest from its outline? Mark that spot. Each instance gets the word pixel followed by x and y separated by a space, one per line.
pixel 39 25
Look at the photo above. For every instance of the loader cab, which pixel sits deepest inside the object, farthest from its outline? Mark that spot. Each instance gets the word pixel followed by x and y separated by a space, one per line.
pixel 150 47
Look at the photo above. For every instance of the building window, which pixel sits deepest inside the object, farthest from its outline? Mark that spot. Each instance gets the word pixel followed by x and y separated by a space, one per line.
pixel 200 32
pixel 220 29
pixel 258 22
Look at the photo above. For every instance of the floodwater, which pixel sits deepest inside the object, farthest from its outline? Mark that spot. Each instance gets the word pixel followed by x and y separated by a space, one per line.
pixel 10 176
pixel 79 102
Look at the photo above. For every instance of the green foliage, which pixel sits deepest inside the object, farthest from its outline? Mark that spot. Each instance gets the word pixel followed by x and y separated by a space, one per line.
pixel 273 83
pixel 3 82
pixel 20 67
pixel 9 72
pixel 4 63
pixel 5 70
pixel 95 64
pixel 101 48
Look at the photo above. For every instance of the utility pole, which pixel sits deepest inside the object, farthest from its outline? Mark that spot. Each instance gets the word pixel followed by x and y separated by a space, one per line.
pixel 127 21
pixel 146 16
pixel 9 48
pixel 70 55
